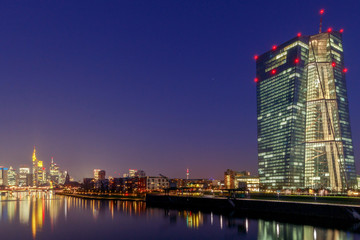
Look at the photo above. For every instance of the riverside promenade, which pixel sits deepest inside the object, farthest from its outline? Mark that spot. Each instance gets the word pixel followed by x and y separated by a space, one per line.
pixel 103 196
pixel 261 207
pixel 341 209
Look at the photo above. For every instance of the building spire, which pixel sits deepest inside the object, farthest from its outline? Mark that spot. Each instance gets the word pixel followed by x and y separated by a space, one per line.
pixel 34 155
pixel 321 14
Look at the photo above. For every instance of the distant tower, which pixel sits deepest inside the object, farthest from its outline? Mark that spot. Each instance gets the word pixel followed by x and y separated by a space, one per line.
pixel 35 167
pixel 187 174
pixel 39 173
pixel 54 172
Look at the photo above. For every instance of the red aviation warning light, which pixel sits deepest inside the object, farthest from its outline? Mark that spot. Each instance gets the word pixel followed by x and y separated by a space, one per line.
pixel 345 70
pixel 256 80
pixel 299 34
pixel 273 71
pixel 341 30
pixel 256 57
pixel 333 64
pixel 329 30
pixel 321 15
pixel 296 60
pixel 274 47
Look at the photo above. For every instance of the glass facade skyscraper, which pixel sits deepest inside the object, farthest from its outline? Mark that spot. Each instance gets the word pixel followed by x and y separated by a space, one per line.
pixel 281 106
pixel 304 136
pixel 329 157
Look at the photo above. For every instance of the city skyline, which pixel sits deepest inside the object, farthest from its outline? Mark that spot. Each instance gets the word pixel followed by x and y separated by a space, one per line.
pixel 98 87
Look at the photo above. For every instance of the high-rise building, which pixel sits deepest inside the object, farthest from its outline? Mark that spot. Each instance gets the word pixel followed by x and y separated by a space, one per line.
pixel 54 173
pixel 101 175
pixel 3 176
pixel 304 136
pixel 329 156
pixel 23 176
pixel 34 168
pixel 132 172
pixel 229 179
pixel 12 177
pixel 62 177
pixel 39 173
pixel 96 174
pixel 281 105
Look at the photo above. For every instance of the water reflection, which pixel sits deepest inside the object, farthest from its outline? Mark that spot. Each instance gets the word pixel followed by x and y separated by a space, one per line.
pixel 42 215
pixel 276 230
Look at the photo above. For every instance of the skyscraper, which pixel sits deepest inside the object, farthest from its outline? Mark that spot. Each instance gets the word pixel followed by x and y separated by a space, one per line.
pixel 3 176
pixel 96 174
pixel 34 168
pixel 24 173
pixel 12 177
pixel 329 157
pixel 39 173
pixel 304 136
pixel 281 105
pixel 54 172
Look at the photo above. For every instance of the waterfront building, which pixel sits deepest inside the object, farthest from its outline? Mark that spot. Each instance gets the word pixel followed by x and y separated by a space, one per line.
pixel 304 135
pixel 117 185
pixel 229 179
pixel 157 183
pixel 329 156
pixel 88 183
pixel 131 184
pixel 200 184
pixel 250 183
pixel 243 180
pixel 203 184
pixel 3 176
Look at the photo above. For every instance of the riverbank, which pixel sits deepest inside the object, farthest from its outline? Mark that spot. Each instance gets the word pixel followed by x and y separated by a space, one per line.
pixel 260 207
pixel 329 208
pixel 103 196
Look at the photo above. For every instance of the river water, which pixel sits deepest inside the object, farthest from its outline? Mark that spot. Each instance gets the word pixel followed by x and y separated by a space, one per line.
pixel 49 216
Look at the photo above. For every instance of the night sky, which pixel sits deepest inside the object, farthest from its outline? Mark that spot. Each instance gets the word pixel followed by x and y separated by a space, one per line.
pixel 155 85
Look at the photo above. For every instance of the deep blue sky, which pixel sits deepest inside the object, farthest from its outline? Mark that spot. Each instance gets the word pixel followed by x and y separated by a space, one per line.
pixel 154 85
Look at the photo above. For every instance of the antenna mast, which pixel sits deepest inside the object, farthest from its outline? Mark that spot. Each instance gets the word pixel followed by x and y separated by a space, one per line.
pixel 321 14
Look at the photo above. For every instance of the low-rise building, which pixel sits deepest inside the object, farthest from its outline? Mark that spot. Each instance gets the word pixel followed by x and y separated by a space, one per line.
pixel 251 183
pixel 241 180
pixel 157 183
pixel 89 183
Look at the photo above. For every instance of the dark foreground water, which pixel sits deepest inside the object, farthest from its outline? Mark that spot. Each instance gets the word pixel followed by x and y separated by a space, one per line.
pixel 46 216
